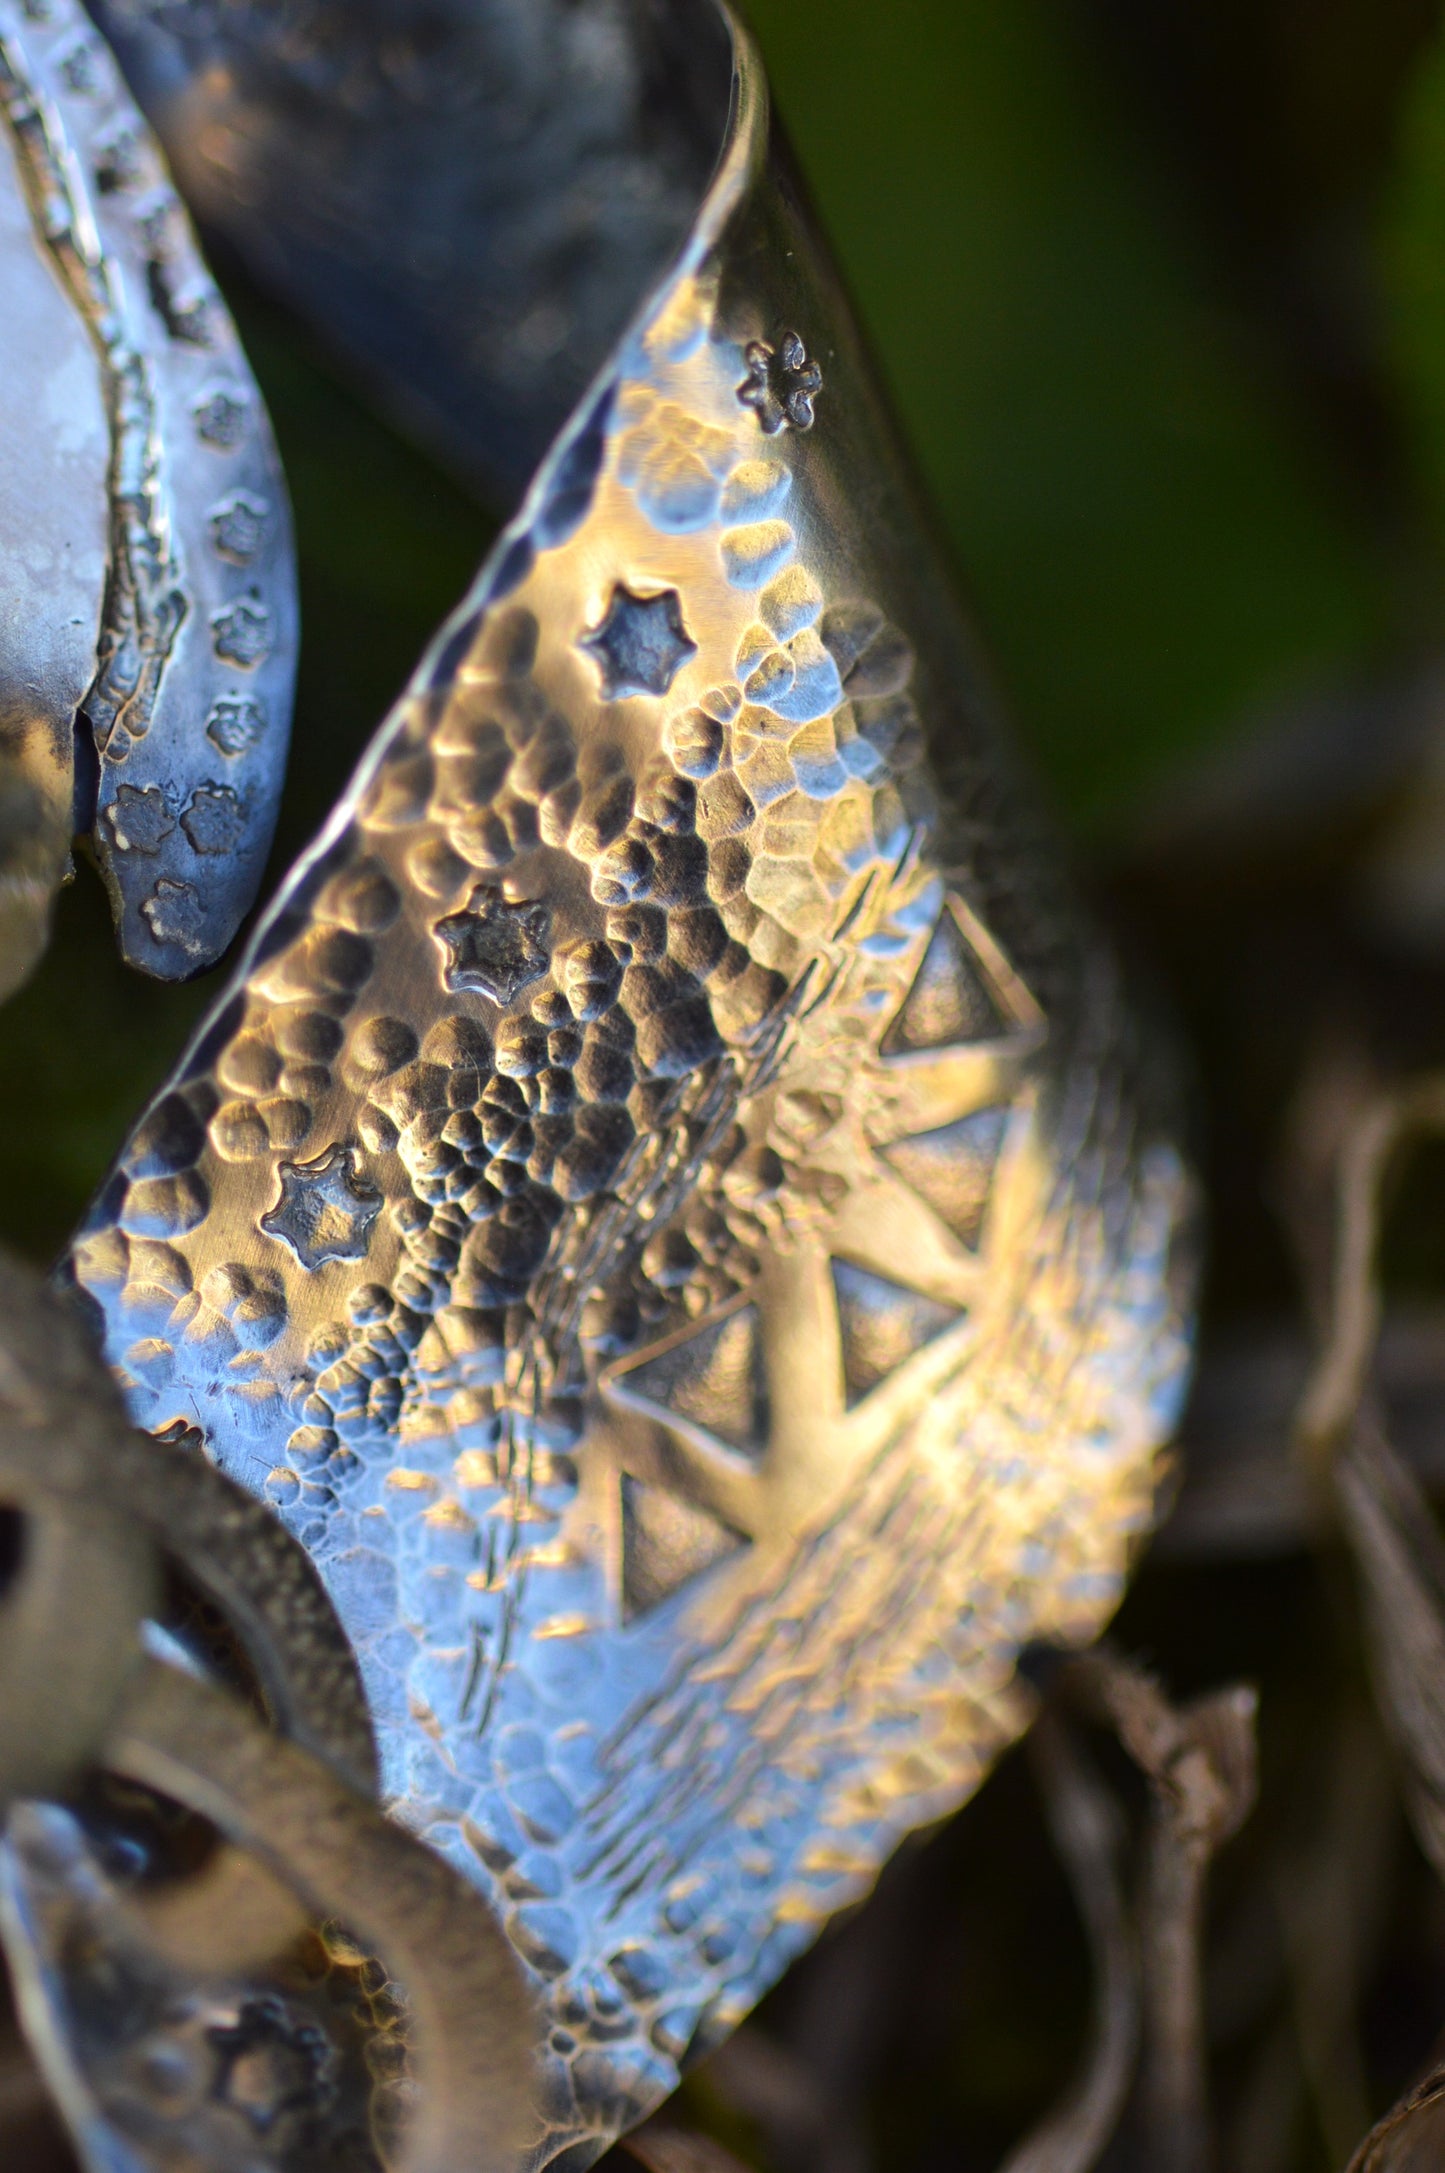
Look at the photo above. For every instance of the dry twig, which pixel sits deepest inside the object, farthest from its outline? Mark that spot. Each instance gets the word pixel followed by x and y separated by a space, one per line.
pixel 1199 1760
pixel 1089 1835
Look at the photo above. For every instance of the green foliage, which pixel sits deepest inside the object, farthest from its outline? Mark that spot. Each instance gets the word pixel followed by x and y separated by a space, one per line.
pixel 1412 264
pixel 1151 552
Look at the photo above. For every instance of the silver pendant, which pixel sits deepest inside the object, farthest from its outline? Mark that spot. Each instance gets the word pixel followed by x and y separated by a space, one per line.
pixel 671 1212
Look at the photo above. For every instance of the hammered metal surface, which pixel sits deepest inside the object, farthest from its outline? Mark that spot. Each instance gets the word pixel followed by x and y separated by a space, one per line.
pixel 147 600
pixel 669 1212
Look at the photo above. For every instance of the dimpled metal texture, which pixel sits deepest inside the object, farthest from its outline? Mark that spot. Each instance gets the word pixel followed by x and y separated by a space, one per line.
pixel 669 1211
pixel 147 594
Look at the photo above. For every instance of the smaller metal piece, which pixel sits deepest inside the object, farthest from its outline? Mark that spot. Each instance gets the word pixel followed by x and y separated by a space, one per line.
pixel 471 2017
pixel 450 2089
pixel 147 591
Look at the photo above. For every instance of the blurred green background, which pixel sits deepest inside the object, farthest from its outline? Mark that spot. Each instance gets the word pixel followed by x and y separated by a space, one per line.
pixel 1159 287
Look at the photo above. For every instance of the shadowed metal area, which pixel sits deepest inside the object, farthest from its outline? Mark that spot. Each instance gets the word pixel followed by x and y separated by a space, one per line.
pixel 670 1211
pixel 464 198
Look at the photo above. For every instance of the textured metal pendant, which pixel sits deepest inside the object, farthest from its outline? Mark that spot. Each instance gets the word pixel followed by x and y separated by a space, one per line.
pixel 147 596
pixel 670 1212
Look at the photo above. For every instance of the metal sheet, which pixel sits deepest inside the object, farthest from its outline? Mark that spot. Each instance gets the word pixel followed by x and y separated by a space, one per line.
pixel 671 1211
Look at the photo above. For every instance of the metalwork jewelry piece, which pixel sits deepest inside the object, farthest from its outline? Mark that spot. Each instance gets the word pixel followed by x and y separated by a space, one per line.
pixel 119 2017
pixel 671 1212
pixel 147 605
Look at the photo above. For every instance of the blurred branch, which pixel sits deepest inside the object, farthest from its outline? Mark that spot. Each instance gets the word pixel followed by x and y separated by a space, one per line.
pixel 1353 1304
pixel 1243 1491
pixel 1401 1560
pixel 1331 1891
pixel 1199 1760
pixel 1397 1547
pixel 1089 1836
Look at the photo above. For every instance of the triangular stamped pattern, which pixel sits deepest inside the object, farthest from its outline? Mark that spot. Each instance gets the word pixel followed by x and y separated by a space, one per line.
pixel 584 1026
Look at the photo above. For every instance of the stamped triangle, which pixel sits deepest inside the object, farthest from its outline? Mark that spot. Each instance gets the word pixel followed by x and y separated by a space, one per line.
pixel 882 1323
pixel 952 1169
pixel 666 1543
pixel 712 1377
pixel 950 1001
